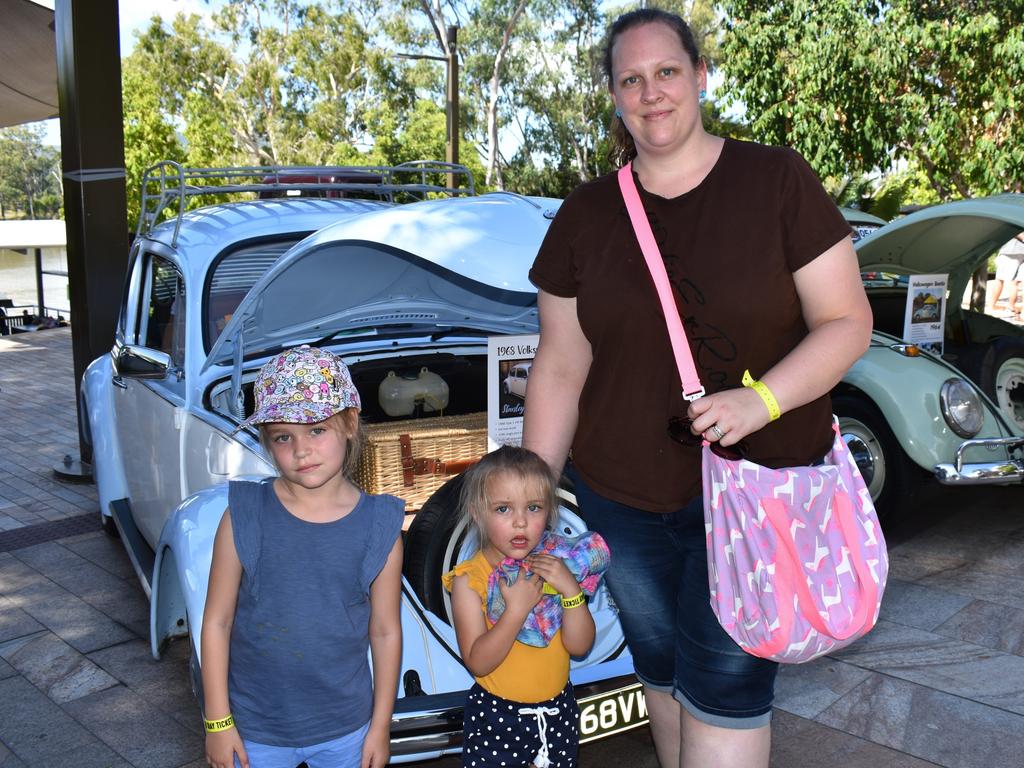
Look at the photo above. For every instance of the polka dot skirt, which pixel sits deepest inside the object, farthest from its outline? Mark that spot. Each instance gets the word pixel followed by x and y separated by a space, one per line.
pixel 497 735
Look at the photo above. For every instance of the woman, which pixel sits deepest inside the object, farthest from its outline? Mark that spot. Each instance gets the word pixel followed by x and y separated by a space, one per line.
pixel 766 279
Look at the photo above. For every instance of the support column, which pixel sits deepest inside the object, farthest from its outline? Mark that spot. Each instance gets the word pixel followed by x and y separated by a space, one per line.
pixel 92 155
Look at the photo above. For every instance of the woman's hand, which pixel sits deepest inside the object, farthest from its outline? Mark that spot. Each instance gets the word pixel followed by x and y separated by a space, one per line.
pixel 735 412
pixel 521 596
pixel 221 748
pixel 554 572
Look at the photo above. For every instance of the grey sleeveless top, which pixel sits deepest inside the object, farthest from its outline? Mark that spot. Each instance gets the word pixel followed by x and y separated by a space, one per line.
pixel 299 673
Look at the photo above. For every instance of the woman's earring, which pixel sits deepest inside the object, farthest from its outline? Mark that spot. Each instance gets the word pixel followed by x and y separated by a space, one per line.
pixel 702 95
pixel 618 113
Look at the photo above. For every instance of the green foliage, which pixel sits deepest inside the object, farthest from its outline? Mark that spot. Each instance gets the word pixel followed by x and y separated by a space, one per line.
pixel 319 82
pixel 30 175
pixel 857 85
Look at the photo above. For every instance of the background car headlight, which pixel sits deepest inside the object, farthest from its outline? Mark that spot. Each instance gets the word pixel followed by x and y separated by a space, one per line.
pixel 961 407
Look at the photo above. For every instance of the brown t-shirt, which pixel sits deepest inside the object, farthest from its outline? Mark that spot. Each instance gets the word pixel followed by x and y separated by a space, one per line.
pixel 730 247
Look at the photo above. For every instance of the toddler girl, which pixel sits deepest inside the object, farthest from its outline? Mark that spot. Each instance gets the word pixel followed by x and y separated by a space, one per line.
pixel 520 613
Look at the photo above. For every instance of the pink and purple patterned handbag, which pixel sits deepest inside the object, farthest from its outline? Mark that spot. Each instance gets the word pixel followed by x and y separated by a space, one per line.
pixel 796 559
pixel 797 563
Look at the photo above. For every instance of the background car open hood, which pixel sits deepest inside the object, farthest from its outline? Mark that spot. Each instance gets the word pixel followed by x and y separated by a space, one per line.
pixel 459 262
pixel 950 238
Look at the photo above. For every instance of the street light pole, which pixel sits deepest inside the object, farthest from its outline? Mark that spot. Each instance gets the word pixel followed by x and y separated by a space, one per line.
pixel 451 153
pixel 451 107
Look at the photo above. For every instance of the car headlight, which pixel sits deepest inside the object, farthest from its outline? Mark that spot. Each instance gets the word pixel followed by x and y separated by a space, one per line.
pixel 962 408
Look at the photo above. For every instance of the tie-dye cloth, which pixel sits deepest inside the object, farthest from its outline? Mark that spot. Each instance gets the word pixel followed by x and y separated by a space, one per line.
pixel 587 558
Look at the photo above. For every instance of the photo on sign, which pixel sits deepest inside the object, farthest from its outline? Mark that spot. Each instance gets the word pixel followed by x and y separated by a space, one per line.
pixel 513 375
pixel 509 361
pixel 927 306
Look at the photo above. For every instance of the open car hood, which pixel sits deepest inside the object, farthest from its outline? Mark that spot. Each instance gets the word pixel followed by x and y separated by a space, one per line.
pixel 951 238
pixel 449 263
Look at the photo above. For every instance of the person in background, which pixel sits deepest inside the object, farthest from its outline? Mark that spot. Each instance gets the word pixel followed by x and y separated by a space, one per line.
pixel 1009 270
pixel 766 280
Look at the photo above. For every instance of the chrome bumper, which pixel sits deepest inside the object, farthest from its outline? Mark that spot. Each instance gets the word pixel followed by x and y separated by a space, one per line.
pixel 1004 472
pixel 431 725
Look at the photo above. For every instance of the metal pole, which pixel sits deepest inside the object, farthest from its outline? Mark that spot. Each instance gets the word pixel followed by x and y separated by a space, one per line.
pixel 39 283
pixel 451 153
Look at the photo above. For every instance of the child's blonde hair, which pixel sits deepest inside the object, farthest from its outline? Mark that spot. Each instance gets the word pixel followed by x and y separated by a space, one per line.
pixel 353 442
pixel 525 465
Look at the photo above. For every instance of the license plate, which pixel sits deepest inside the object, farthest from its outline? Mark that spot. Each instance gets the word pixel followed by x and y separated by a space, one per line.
pixel 613 712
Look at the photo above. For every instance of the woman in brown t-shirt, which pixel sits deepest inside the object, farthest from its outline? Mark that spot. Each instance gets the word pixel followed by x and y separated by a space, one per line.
pixel 765 279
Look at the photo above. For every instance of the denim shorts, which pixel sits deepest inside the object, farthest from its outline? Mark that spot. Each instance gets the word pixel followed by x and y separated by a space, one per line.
pixel 343 752
pixel 659 581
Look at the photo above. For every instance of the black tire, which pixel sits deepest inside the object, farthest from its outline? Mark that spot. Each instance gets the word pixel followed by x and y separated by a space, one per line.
pixel 504 388
pixel 1001 376
pixel 429 550
pixel 109 526
pixel 888 472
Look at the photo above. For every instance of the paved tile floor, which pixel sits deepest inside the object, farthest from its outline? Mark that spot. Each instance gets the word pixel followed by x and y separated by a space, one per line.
pixel 939 682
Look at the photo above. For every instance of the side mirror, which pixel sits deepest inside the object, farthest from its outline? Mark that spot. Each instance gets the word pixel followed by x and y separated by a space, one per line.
pixel 141 362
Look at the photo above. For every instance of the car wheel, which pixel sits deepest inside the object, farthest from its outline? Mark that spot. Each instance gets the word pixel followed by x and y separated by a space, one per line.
pixel 505 388
pixel 109 526
pixel 890 475
pixel 1002 378
pixel 433 544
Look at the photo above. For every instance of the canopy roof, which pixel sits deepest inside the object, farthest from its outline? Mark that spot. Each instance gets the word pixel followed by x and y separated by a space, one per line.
pixel 37 233
pixel 28 63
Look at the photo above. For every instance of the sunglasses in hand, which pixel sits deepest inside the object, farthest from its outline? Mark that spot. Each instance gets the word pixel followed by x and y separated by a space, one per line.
pixel 680 429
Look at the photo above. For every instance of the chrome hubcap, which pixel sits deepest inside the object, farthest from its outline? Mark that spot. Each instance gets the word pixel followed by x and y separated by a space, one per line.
pixel 867 452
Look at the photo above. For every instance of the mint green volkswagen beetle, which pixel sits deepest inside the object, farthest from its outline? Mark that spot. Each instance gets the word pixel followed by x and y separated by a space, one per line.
pixel 905 412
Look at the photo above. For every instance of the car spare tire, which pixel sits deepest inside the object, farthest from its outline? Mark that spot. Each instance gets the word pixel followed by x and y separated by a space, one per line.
pixel 433 544
pixel 1002 377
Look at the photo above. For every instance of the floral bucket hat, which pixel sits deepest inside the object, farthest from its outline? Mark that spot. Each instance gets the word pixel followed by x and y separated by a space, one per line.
pixel 302 386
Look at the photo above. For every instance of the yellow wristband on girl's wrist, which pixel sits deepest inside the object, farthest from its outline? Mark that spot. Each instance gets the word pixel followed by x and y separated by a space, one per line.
pixel 572 602
pixel 216 726
pixel 766 395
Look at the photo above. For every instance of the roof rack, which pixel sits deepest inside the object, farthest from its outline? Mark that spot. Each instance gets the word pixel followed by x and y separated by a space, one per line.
pixel 168 184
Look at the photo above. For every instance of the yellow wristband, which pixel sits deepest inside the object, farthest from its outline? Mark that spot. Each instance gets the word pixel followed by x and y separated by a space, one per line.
pixel 572 602
pixel 216 726
pixel 766 395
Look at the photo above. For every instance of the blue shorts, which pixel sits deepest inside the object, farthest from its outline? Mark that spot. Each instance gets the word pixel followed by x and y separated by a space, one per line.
pixel 498 732
pixel 343 752
pixel 659 581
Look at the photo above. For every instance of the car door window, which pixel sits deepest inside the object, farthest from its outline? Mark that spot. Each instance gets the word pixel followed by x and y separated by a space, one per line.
pixel 162 322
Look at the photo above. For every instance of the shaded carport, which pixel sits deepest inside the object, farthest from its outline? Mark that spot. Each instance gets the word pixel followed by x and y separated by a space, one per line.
pixel 67 62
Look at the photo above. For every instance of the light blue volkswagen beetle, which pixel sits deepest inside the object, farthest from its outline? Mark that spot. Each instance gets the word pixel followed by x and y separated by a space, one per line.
pixel 330 258
pixel 327 257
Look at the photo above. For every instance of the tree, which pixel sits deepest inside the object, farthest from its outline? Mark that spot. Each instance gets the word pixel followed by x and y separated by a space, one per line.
pixel 29 174
pixel 857 85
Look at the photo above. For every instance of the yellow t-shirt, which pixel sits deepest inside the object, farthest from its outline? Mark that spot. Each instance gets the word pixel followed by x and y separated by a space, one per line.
pixel 528 674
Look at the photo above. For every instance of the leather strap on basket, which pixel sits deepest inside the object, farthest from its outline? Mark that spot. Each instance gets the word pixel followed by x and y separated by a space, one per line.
pixel 411 466
pixel 692 388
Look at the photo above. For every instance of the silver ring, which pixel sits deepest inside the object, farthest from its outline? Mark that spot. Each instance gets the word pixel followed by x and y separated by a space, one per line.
pixel 718 433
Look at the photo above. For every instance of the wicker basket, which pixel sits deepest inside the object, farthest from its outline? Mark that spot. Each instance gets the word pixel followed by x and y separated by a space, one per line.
pixel 412 459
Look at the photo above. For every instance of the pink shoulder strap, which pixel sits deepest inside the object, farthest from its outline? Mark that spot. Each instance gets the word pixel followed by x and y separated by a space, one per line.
pixel 692 388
